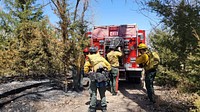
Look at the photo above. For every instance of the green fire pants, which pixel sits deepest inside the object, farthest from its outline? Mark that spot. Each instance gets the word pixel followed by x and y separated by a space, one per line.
pixel 149 78
pixel 113 78
pixel 93 95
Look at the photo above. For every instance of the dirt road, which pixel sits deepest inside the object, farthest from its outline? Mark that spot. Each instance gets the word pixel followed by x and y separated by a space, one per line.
pixel 43 96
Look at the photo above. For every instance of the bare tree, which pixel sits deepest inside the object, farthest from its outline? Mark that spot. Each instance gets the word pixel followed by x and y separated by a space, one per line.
pixel 72 27
pixel 62 12
pixel 76 9
pixel 85 7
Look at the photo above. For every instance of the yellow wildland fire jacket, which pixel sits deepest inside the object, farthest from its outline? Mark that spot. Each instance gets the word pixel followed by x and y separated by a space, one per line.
pixel 96 61
pixel 143 59
pixel 149 60
pixel 113 58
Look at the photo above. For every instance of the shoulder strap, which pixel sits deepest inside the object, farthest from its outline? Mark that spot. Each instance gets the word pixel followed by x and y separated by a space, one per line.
pixel 148 54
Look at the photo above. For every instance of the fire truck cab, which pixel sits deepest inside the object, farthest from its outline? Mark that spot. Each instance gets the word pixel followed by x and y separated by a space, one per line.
pixel 125 36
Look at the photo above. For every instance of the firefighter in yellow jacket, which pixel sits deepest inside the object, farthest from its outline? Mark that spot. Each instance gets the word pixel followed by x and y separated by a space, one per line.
pixel 98 78
pixel 112 57
pixel 144 61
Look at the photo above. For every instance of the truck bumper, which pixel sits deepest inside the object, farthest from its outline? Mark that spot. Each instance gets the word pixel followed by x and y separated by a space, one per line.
pixel 130 69
pixel 130 73
pixel 134 69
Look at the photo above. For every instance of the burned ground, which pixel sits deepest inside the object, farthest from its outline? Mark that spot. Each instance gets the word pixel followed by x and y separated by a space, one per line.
pixel 46 96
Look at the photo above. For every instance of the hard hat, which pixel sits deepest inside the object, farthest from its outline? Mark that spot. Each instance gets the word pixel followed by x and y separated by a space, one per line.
pixel 142 46
pixel 92 49
pixel 112 46
pixel 86 50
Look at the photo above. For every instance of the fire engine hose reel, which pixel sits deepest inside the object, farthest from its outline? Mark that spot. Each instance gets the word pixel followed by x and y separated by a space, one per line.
pixel 117 41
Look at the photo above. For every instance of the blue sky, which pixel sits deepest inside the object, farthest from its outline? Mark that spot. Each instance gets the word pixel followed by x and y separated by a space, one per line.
pixel 121 12
pixel 115 12
pixel 124 12
pixel 112 12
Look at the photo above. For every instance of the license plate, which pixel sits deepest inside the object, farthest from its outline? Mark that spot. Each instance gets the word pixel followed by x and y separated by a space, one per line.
pixel 121 69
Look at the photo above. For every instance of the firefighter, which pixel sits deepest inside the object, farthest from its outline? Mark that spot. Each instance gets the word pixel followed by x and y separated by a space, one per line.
pixel 98 78
pixel 86 52
pixel 112 57
pixel 83 79
pixel 143 61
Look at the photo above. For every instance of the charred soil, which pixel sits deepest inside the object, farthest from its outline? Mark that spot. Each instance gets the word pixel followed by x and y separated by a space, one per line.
pixel 45 96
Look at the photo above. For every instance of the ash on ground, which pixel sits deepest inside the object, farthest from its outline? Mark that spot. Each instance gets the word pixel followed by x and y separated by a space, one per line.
pixel 46 96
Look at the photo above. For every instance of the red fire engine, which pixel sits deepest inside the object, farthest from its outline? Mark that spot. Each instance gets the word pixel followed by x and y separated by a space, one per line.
pixel 125 36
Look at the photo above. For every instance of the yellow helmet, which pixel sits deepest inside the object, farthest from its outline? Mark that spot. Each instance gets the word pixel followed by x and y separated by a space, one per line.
pixel 142 46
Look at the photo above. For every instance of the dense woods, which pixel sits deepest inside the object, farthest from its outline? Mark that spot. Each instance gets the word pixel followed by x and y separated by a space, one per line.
pixel 178 42
pixel 30 44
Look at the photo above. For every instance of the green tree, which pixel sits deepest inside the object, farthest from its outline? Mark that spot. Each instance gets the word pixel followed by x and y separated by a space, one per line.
pixel 182 19
pixel 18 20
pixel 162 41
pixel 18 11
pixel 73 27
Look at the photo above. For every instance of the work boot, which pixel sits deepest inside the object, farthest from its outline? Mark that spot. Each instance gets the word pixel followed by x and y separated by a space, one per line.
pixel 103 109
pixel 153 101
pixel 114 93
pixel 92 109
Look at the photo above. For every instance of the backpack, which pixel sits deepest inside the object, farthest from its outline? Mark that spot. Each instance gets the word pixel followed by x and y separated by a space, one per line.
pixel 154 60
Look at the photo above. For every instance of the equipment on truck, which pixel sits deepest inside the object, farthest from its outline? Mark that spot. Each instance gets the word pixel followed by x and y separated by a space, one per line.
pixel 128 37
